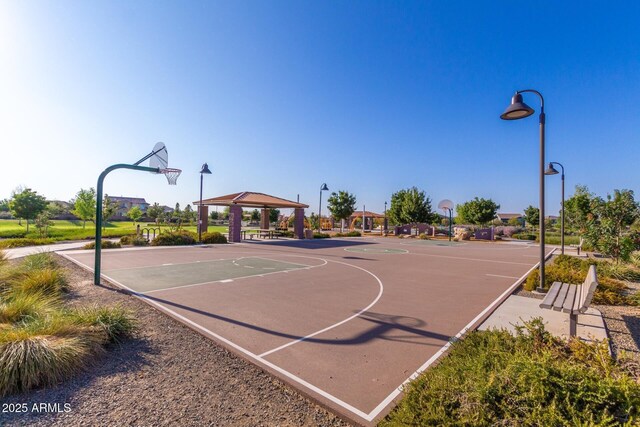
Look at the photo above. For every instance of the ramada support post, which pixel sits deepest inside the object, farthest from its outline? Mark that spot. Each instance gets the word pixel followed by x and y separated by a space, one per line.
pixel 203 216
pixel 264 219
pixel 298 224
pixel 235 223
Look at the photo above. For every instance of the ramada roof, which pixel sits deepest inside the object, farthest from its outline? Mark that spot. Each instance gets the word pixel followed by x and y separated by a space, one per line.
pixel 368 214
pixel 509 215
pixel 251 200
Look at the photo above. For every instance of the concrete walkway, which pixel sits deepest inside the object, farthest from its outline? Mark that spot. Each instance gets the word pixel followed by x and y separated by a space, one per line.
pixel 517 309
pixel 30 250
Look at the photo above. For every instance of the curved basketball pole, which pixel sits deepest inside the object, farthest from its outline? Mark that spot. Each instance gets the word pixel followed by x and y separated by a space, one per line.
pixel 96 269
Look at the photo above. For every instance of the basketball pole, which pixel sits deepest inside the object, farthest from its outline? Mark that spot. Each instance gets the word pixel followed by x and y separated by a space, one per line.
pixel 96 268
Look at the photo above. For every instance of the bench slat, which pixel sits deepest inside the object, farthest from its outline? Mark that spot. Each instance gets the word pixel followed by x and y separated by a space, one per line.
pixel 567 307
pixel 562 295
pixel 551 295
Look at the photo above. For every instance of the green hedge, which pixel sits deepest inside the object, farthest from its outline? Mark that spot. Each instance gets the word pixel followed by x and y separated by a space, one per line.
pixel 174 238
pixel 105 244
pixel 321 236
pixel 20 243
pixel 213 237
pixel 349 234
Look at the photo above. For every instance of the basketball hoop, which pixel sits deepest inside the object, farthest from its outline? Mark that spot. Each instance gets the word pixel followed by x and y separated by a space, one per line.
pixel 171 174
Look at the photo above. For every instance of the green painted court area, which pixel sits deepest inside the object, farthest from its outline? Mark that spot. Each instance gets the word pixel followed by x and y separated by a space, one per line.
pixel 154 278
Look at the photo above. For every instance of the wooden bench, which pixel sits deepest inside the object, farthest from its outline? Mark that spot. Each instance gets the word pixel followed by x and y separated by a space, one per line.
pixel 572 299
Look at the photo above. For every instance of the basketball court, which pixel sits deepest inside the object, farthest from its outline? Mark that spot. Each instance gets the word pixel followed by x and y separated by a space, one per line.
pixel 345 321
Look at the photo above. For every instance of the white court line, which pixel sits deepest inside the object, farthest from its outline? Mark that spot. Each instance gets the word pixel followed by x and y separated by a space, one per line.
pixel 371 415
pixel 472 259
pixel 306 337
pixel 303 267
pixel 500 275
pixel 226 280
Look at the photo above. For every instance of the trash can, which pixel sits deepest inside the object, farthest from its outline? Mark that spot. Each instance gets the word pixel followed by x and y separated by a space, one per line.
pixel 308 234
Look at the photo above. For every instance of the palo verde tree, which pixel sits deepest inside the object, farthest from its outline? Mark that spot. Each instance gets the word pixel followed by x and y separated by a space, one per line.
pixel 84 205
pixel 341 205
pixel 608 230
pixel 410 206
pixel 477 211
pixel 27 204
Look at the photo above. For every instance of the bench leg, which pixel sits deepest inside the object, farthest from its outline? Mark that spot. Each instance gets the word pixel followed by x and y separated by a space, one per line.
pixel 573 324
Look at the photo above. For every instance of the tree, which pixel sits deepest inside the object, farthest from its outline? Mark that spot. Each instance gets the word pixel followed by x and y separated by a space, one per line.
pixel 608 230
pixel 109 209
pixel 515 222
pixel 578 209
pixel 27 204
pixel 410 206
pixel 155 211
pixel 55 209
pixel 532 215
pixel 341 205
pixel 314 222
pixel 135 213
pixel 84 205
pixel 43 222
pixel 225 212
pixel 255 215
pixel 4 205
pixel 188 214
pixel 214 215
pixel 274 214
pixel 478 211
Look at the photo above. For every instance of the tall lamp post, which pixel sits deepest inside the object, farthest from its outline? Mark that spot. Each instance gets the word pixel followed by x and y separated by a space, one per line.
pixel 323 187
pixel 205 169
pixel 385 224
pixel 519 110
pixel 553 171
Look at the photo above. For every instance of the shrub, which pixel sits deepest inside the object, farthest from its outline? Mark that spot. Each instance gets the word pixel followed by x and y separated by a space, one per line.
pixel 288 233
pixel 524 236
pixel 213 237
pixel 38 261
pixel 423 236
pixel 22 306
pixel 494 378
pixel 567 269
pixel 174 238
pixel 49 281
pixel 43 353
pixel 127 240
pixel 115 322
pixel 349 234
pixel 321 235
pixel 104 244
pixel 20 243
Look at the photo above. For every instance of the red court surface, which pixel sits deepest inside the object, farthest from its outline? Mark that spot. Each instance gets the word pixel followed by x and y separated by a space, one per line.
pixel 345 321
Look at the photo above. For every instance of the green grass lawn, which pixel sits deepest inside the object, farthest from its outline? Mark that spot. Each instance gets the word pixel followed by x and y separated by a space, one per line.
pixel 73 230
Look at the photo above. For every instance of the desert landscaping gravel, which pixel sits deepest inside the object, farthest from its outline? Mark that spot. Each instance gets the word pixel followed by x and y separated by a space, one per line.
pixel 167 375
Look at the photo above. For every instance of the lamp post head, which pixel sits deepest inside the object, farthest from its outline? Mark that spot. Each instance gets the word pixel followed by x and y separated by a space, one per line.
pixel 551 170
pixel 205 169
pixel 517 110
pixel 324 187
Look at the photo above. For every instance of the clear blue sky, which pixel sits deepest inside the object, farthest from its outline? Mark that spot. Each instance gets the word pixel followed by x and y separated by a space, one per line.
pixel 281 96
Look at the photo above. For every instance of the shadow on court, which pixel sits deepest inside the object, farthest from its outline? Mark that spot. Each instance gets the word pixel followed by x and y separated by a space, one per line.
pixel 311 244
pixel 384 326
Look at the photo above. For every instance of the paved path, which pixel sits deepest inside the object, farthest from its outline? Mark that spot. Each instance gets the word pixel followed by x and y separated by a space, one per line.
pixel 30 250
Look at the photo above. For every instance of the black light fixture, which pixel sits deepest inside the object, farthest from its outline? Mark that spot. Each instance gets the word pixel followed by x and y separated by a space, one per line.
pixel 203 170
pixel 553 171
pixel 519 110
pixel 323 187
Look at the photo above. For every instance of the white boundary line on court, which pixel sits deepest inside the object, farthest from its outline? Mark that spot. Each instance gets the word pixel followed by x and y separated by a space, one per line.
pixel 382 405
pixel 365 251
pixel 472 259
pixel 306 337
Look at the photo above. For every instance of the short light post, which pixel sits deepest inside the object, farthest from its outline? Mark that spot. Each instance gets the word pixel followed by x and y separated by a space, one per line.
pixel 553 171
pixel 519 110
pixel 323 187
pixel 203 170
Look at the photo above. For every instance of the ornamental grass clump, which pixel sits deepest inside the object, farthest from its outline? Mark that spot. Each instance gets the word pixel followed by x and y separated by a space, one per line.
pixel 41 340
pixel 531 379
